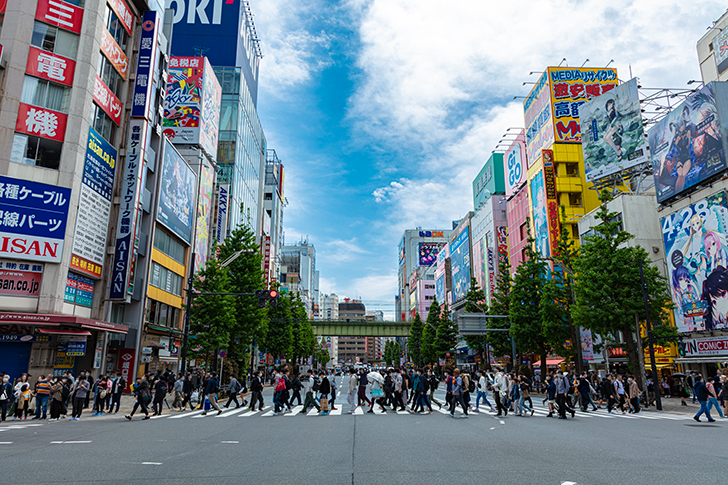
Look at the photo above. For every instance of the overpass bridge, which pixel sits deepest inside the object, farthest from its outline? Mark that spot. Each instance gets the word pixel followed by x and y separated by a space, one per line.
pixel 328 328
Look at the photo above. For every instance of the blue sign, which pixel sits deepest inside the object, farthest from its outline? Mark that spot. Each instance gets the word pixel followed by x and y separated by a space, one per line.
pixel 33 219
pixel 222 31
pixel 25 338
pixel 177 194
pixel 145 66
pixel 98 171
pixel 75 349
pixel 460 264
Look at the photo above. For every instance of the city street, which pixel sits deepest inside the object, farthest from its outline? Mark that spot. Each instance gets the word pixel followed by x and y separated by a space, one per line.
pixel 243 447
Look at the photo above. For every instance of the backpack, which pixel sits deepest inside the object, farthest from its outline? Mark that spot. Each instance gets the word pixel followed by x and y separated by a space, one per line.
pixel 288 384
pixel 281 385
pixel 471 385
pixel 434 383
pixel 316 384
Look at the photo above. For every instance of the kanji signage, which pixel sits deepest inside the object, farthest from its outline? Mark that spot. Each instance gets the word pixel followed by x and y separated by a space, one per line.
pixel 32 220
pixel 107 101
pixel 41 122
pixel 79 290
pixel 49 66
pixel 94 206
pixel 145 69
pixel 131 200
pixel 20 279
pixel 266 260
pixel 552 206
pixel 60 14
pixel 122 11
pixel 114 54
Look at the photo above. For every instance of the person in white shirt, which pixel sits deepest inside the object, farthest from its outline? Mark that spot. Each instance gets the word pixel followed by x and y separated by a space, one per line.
pixel 500 391
pixel 483 393
pixel 353 387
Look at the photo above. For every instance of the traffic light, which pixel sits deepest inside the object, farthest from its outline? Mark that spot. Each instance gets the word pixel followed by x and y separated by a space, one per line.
pixel 681 348
pixel 264 296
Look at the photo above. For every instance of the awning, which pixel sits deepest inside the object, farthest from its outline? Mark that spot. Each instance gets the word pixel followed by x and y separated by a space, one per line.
pixel 46 320
pixel 703 360
pixel 166 330
pixel 548 362
pixel 62 331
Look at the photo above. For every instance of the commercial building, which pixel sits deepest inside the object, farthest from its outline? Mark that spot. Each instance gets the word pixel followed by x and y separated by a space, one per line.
pixel 417 249
pixel 517 201
pixel 352 349
pixel 75 112
pixel 461 268
pixel 298 272
pixel 273 204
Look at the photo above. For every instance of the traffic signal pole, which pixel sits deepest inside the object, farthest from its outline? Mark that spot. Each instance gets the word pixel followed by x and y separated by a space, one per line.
pixel 651 343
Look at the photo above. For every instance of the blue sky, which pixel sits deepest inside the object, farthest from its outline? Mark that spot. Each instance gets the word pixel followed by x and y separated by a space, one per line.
pixel 383 111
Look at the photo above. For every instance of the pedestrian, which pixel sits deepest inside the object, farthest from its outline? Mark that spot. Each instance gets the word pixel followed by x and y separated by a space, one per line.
pixel 6 396
pixel 398 383
pixel 143 396
pixel 423 386
pixel 468 384
pixel 22 398
pixel 57 398
pixel 434 383
pixel 81 392
pixel 700 392
pixel 562 391
pixel 160 393
pixel 449 384
pixel 377 396
pixel 713 395
pixel 100 392
pixel 353 385
pixel 514 395
pixel 325 390
pixel 363 388
pixel 211 393
pixel 117 388
pixel 334 387
pixel 482 392
pixel 525 395
pixel 457 395
pixel 619 390
pixel 634 394
pixel 296 386
pixel 256 392
pixel 187 390
pixel 309 400
pixel 178 388
pixel 90 379
pixel 500 392
pixel 42 393
pixel 234 387
pixel 550 395
pixel 691 381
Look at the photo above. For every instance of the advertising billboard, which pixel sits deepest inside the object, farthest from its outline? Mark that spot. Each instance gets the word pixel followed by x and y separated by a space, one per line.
pixel 460 263
pixel 720 51
pixel 478 262
pixel 192 103
pixel 552 206
pixel 145 66
pixel 34 216
pixel 540 221
pixel 687 145
pixel 613 138
pixel 539 122
pixel 20 279
pixel 176 194
pixel 514 162
pixel 428 253
pixel 220 30
pixel 223 195
pixel 204 206
pixel 697 260
pixel 94 206
pixel 572 87
pixel 489 181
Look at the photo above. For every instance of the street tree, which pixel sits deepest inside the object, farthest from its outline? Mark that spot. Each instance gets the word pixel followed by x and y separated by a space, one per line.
pixel 500 305
pixel 608 289
pixel 429 334
pixel 304 339
pixel 279 337
pixel 447 334
pixel 414 342
pixel 475 303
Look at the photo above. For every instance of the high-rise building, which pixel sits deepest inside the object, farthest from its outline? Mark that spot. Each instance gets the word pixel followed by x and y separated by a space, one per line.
pixel 82 86
pixel 298 272
pixel 353 349
pixel 273 204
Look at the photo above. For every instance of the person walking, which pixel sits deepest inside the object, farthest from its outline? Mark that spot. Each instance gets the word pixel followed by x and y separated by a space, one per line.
pixel 334 388
pixel 525 395
pixel 296 386
pixel 619 390
pixel 178 389
pixel 117 388
pixel 211 393
pixel 6 396
pixel 634 392
pixel 550 395
pixel 325 390
pixel 377 396
pixel 309 400
pixel 160 393
pixel 482 392
pixel 234 387
pixel 363 388
pixel 143 396
pixel 42 393
pixel 700 391
pixel 353 385
pixel 433 383
pixel 457 395
pixel 82 390
pixel 500 392
pixel 397 402
pixel 562 391
pixel 22 404
pixel 256 392
pixel 713 395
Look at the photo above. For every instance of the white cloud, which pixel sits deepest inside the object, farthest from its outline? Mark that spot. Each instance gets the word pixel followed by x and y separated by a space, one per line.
pixel 377 291
pixel 338 251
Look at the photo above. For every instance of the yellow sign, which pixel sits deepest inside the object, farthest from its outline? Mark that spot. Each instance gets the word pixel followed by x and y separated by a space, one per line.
pixel 64 361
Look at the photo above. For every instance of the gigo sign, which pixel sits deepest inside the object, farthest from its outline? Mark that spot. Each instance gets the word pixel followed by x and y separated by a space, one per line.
pixel 432 234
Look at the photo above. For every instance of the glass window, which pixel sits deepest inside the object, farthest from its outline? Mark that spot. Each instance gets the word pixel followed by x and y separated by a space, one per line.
pixel 55 40
pixel 169 245
pixel 109 76
pixel 40 92
pixel 163 309
pixel 104 124
pixel 166 280
pixel 36 151
pixel 116 28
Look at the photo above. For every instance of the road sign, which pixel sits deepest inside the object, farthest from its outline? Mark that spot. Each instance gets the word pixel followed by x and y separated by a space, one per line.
pixel 222 354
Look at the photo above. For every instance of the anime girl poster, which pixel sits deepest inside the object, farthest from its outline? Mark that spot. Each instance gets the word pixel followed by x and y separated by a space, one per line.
pixel 697 259
pixel 540 223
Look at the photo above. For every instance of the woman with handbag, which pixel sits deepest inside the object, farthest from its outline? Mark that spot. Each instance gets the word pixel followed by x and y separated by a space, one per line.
pixel 377 396
pixel 143 396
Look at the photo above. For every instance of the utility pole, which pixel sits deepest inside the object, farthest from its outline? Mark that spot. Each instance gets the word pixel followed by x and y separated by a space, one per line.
pixel 650 343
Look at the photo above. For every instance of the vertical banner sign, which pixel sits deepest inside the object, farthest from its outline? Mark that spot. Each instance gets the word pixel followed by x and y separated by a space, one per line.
pixel 502 245
pixel 126 366
pixel 114 54
pixel 130 196
pixel 552 206
pixel 222 212
pixel 145 66
pixel 491 272
pixel 94 206
pixel 266 261
pixel 204 206
pixel 123 13
pixel 107 101
pixel 587 345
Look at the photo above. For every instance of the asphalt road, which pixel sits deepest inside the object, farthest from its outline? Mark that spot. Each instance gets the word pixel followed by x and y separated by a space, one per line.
pixel 240 447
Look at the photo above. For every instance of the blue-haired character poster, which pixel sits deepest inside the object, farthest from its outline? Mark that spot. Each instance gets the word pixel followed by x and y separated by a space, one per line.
pixel 697 258
pixel 540 222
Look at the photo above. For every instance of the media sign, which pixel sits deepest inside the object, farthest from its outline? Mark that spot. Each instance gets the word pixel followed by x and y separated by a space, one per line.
pixel 222 212
pixel 177 194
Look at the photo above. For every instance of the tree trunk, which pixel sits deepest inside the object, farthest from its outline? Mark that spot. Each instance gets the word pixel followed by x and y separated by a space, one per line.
pixel 632 356
pixel 544 369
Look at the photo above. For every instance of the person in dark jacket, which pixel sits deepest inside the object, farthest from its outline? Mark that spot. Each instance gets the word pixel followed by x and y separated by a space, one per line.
pixel 256 392
pixel 701 394
pixel 117 388
pixel 363 387
pixel 160 392
pixel 423 385
pixel 143 396
pixel 324 389
pixel 296 386
pixel 211 393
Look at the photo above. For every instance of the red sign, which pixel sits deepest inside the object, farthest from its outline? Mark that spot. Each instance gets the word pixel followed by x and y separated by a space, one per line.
pixel 552 206
pixel 41 122
pixel 114 54
pixel 85 266
pixel 49 66
pixel 122 11
pixel 60 14
pixel 3 5
pixel 266 260
pixel 20 283
pixel 125 365
pixel 107 101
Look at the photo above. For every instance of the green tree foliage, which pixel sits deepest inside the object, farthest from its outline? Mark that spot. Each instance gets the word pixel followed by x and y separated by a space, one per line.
pixel 447 334
pixel 475 303
pixel 280 338
pixel 415 339
pixel 212 318
pixel 608 289
pixel 500 304
pixel 429 334
pixel 528 286
pixel 304 340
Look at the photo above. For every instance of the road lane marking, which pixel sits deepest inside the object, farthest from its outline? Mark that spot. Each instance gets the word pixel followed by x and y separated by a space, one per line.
pixel 359 411
pixel 230 442
pixel 6 442
pixel 248 414
pixel 156 463
pixel 296 410
pixel 231 413
pixel 69 442
pixel 185 414
pixel 312 412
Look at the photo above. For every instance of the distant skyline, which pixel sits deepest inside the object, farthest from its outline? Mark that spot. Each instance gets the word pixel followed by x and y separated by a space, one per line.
pixel 384 111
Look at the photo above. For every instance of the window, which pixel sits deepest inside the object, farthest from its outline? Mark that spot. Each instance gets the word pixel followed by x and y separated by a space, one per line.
pixel 40 92
pixel 36 151
pixel 55 40
pixel 109 76
pixel 166 280
pixel 116 28
pixel 78 3
pixel 524 231
pixel 575 199
pixel 104 124
pixel 268 196
pixel 162 315
pixel 169 245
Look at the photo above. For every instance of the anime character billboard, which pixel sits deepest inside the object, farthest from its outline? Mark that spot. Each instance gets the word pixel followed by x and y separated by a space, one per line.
pixel 540 221
pixel 460 260
pixel 697 259
pixel 428 253
pixel 687 145
pixel 612 135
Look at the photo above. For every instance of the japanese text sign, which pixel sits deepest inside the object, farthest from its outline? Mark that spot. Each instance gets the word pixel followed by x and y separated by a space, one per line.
pixel 41 122
pixel 123 13
pixel 145 66
pixel 222 212
pixel 552 206
pixel 32 219
pixel 20 279
pixel 539 124
pixel 720 50
pixel 114 54
pixel 60 14
pixel 107 101
pixel 514 163
pixel 49 66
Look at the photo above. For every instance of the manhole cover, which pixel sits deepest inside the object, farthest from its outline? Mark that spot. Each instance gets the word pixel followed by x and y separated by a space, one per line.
pixel 703 425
